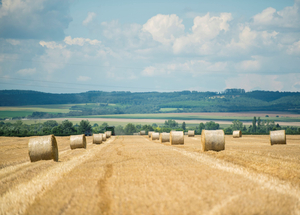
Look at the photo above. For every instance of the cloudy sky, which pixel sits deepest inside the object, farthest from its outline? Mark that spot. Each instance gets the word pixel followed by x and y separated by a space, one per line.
pixel 158 45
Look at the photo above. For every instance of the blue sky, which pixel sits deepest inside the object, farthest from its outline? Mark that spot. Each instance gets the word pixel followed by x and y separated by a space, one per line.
pixel 76 46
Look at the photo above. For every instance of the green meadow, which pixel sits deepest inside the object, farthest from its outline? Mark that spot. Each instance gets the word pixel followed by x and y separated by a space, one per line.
pixel 23 111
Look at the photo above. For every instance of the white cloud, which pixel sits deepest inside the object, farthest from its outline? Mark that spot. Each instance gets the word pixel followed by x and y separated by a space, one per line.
pixel 89 18
pixel 246 38
pixel 80 41
pixel 268 37
pixel 51 45
pixel 57 58
pixel 34 19
pixel 149 71
pixel 193 67
pixel 130 34
pixel 289 17
pixel 83 78
pixel 205 29
pixel 13 42
pixel 296 86
pixel 254 81
pixel 29 71
pixel 249 65
pixel 164 28
pixel 294 48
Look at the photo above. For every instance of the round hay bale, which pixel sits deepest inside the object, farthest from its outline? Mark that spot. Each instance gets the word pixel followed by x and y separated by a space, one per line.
pixel 97 138
pixel 103 137
pixel 108 134
pixel 154 136
pixel 77 141
pixel 142 132
pixel 164 137
pixel 43 148
pixel 277 137
pixel 237 134
pixel 191 133
pixel 213 140
pixel 176 138
pixel 149 133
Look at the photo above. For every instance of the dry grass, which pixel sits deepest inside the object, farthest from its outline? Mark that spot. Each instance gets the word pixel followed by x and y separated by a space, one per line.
pixel 137 176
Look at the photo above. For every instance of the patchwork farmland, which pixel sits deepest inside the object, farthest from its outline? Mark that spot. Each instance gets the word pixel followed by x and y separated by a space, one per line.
pixel 135 175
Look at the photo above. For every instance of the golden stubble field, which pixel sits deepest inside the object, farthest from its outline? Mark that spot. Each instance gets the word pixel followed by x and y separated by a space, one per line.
pixel 133 175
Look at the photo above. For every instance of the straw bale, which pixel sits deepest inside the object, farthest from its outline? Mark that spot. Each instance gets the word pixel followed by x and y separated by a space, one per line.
pixel 142 132
pixel 97 138
pixel 164 137
pixel 176 138
pixel 149 133
pixel 154 136
pixel 277 137
pixel 43 148
pixel 237 134
pixel 191 133
pixel 108 134
pixel 77 141
pixel 103 137
pixel 213 140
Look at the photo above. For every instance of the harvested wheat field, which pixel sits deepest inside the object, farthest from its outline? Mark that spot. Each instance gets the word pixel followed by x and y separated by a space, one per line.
pixel 134 175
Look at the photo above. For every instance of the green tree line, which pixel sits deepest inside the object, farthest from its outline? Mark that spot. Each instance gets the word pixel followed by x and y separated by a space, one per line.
pixel 66 128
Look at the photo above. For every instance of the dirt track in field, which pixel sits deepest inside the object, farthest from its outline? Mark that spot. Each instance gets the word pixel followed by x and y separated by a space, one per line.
pixel 133 175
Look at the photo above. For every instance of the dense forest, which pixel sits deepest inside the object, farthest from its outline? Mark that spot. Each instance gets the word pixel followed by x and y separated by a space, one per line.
pixel 231 100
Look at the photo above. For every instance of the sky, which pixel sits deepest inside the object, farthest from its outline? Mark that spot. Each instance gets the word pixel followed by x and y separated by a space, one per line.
pixel 73 46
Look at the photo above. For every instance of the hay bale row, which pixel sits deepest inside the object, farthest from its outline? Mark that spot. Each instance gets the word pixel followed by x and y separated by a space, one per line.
pixel 237 134
pixel 45 147
pixel 174 137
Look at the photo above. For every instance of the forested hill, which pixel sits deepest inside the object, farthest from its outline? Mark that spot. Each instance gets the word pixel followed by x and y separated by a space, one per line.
pixel 231 100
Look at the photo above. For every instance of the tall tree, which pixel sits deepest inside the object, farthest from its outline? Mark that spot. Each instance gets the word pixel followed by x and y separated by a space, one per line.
pixel 201 127
pixel 254 125
pixel 129 128
pixel 84 126
pixel 258 123
pixel 183 126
